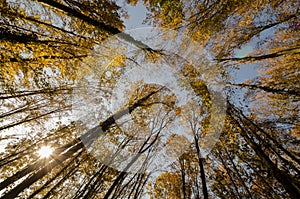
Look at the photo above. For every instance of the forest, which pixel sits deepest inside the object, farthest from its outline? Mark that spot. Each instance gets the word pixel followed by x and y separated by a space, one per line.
pixel 150 99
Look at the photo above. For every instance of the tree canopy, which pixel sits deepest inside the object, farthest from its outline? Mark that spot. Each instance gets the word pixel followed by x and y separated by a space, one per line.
pixel 90 109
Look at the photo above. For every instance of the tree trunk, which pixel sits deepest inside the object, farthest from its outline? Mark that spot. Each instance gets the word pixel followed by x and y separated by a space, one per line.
pixel 201 166
pixel 291 185
pixel 68 150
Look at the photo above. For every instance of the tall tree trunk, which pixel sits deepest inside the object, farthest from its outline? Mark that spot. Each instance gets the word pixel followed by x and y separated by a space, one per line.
pixel 291 51
pixel 182 170
pixel 66 152
pixel 282 91
pixel 201 166
pixel 238 173
pixel 230 176
pixel 99 24
pixel 291 185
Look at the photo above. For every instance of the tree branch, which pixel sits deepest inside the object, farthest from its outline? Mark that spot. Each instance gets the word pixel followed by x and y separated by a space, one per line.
pixel 291 51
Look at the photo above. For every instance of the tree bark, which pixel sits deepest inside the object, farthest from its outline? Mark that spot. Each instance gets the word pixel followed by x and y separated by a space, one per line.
pixel 102 26
pixel 268 89
pixel 291 51
pixel 201 166
pixel 65 152
pixel 291 185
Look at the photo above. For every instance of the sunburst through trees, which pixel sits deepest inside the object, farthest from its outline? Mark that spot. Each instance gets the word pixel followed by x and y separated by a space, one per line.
pixel 63 131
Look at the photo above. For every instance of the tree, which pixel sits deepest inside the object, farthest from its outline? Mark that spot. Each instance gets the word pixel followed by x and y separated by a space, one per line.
pixel 50 51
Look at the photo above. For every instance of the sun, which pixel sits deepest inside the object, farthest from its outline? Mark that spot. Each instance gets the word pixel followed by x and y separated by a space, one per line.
pixel 45 151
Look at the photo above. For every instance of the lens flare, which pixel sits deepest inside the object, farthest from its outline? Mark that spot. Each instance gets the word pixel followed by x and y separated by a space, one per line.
pixel 45 151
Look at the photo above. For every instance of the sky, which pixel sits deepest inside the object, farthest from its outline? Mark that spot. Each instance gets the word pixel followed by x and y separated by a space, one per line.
pixel 137 14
